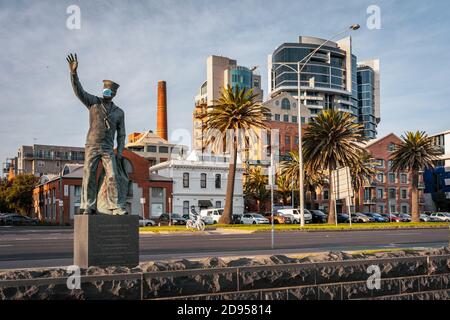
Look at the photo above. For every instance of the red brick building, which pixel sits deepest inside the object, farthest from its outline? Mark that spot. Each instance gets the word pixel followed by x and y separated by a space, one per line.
pixel 156 190
pixel 389 191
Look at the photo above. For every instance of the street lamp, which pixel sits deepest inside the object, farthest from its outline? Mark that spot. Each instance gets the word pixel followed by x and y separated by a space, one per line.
pixel 300 65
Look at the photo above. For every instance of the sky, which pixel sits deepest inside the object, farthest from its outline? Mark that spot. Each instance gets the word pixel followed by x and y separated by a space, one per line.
pixel 137 43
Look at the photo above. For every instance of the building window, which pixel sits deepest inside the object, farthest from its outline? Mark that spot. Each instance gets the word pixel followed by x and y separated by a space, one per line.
pixel 380 194
pixel 379 163
pixel 287 141
pixel 390 162
pixel 285 104
pixel 391 147
pixel 404 178
pixel 326 194
pixel 186 180
pixel 163 149
pixel 404 208
pixel 380 177
pixel 381 209
pixel 185 207
pixel 404 194
pixel 294 119
pixel 277 117
pixel 218 181
pixel 151 149
pixel 392 193
pixel 77 191
pixel 296 140
pixel 203 180
pixel 391 177
pixel 393 209
pixel 218 204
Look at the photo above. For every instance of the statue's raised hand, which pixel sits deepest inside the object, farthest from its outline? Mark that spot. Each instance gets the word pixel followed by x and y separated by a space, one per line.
pixel 73 62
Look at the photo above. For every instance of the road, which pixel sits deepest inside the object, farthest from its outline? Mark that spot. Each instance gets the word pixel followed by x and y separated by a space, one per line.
pixel 26 247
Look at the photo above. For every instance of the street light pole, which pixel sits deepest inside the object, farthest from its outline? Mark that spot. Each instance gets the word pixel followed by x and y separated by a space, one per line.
pixel 300 65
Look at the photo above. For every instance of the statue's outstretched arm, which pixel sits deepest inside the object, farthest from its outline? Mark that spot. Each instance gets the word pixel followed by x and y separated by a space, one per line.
pixel 87 99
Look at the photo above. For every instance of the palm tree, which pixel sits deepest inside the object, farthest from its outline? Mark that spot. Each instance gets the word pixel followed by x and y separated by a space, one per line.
pixel 255 186
pixel 332 140
pixel 284 189
pixel 362 172
pixel 416 152
pixel 238 113
pixel 290 171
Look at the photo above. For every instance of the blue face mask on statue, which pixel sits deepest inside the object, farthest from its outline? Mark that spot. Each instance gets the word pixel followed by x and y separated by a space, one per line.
pixel 107 93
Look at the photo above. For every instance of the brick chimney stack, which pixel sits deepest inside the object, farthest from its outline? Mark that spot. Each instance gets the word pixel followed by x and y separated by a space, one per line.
pixel 161 122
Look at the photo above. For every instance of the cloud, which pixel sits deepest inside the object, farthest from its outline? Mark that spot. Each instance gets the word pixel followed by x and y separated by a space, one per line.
pixel 138 43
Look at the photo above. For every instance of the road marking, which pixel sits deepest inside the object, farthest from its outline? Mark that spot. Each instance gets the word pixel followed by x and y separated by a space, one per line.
pixel 222 239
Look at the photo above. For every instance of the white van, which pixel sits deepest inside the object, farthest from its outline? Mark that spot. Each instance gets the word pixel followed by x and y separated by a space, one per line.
pixel 296 214
pixel 215 214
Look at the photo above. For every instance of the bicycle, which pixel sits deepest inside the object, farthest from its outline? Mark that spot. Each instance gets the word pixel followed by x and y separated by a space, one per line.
pixel 195 224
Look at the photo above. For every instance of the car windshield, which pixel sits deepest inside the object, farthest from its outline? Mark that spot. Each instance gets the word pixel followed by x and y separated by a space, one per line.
pixel 447 214
pixel 258 216
pixel 176 216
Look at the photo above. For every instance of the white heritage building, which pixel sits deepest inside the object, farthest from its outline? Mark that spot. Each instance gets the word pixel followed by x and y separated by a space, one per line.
pixel 201 181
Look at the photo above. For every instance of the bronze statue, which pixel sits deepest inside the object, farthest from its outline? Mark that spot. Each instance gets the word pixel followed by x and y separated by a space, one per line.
pixel 105 119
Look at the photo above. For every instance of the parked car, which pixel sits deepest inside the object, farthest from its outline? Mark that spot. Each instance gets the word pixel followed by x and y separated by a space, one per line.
pixel 440 217
pixel 279 218
pixel 318 216
pixel 214 213
pixel 254 218
pixel 15 219
pixel 404 217
pixel 391 217
pixel 163 219
pixel 424 218
pixel 361 218
pixel 236 218
pixel 343 218
pixel 144 222
pixel 295 213
pixel 376 216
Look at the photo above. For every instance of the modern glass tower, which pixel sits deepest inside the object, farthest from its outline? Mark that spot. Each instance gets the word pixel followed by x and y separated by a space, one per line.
pixel 368 97
pixel 328 81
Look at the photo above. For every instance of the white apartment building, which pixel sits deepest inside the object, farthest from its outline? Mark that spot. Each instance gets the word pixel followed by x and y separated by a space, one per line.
pixel 200 181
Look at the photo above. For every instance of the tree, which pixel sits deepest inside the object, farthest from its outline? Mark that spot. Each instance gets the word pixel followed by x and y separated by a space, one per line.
pixel 4 187
pixel 255 186
pixel 416 152
pixel 19 196
pixel 236 113
pixel 332 140
pixel 362 172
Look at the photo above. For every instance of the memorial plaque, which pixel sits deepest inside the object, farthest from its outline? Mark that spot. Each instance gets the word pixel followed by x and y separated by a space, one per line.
pixel 105 240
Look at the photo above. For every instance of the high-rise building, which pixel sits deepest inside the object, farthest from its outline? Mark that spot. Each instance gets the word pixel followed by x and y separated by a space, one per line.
pixel 328 81
pixel 369 96
pixel 221 72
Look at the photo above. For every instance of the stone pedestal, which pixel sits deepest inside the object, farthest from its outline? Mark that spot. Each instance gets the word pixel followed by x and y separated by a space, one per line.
pixel 105 240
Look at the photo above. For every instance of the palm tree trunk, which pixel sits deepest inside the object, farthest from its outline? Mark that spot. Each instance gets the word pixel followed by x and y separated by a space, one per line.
pixel 331 202
pixel 415 216
pixel 228 211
